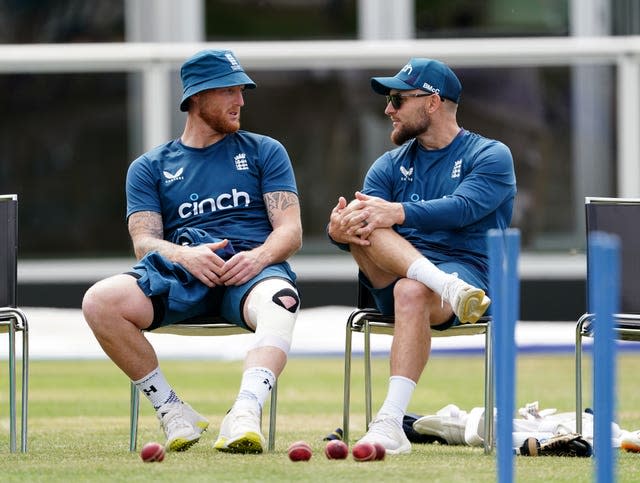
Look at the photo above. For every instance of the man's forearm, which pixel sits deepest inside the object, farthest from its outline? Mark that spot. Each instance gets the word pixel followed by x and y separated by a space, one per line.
pixel 144 245
pixel 280 245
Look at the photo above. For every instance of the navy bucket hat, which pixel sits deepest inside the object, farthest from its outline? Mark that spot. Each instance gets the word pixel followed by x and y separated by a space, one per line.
pixel 425 74
pixel 211 69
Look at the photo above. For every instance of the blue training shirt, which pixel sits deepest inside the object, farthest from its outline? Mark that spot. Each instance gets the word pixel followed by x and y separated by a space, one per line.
pixel 451 196
pixel 218 189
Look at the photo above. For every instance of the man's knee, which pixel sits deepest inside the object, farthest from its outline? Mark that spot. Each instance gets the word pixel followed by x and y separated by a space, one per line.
pixel 410 293
pixel 112 297
pixel 412 298
pixel 272 308
pixel 94 301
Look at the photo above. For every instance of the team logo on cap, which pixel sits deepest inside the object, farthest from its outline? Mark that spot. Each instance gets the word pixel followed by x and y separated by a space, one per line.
pixel 235 65
pixel 407 69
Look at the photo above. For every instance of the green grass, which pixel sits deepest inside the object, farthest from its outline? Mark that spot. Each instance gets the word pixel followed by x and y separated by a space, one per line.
pixel 78 424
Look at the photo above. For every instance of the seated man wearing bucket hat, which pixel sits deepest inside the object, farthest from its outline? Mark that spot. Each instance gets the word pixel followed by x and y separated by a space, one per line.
pixel 213 217
pixel 418 228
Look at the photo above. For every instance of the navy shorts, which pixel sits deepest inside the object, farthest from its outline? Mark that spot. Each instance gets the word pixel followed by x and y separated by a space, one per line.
pixel 221 301
pixel 383 297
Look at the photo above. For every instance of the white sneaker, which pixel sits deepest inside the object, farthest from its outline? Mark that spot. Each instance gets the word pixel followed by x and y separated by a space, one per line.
pixel 181 424
pixel 468 302
pixel 389 433
pixel 447 424
pixel 240 432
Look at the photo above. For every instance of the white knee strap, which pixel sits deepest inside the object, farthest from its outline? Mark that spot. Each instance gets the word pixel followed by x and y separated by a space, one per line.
pixel 272 306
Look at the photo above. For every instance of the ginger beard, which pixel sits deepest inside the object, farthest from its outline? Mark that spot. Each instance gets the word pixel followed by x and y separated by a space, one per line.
pixel 219 119
pixel 405 130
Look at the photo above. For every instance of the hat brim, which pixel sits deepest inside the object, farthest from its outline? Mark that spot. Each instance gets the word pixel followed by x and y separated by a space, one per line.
pixel 383 85
pixel 233 79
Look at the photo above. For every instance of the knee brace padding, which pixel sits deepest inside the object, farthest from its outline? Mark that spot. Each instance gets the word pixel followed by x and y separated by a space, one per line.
pixel 273 307
pixel 287 298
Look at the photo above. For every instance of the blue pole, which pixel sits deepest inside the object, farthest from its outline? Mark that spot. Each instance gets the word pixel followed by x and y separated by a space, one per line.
pixel 503 247
pixel 604 292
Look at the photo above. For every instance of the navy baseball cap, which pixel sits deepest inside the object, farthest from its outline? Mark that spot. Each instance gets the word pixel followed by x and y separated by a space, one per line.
pixel 211 69
pixel 426 74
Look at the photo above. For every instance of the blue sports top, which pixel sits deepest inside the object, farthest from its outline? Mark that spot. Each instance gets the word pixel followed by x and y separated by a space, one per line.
pixel 451 196
pixel 218 189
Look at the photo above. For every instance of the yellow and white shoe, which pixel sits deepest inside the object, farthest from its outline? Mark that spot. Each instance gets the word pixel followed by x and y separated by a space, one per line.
pixel 240 432
pixel 181 424
pixel 468 302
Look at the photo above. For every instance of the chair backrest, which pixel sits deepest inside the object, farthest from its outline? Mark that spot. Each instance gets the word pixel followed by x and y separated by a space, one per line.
pixel 621 217
pixel 8 249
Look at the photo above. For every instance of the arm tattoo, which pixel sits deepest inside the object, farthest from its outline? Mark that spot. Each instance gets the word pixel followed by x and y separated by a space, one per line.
pixel 145 223
pixel 146 231
pixel 279 200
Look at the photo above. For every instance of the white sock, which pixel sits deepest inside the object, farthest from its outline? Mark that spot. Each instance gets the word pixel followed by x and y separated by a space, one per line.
pixel 255 386
pixel 156 388
pixel 427 273
pixel 398 397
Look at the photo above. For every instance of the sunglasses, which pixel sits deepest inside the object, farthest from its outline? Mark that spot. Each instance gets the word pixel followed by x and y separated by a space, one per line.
pixel 396 100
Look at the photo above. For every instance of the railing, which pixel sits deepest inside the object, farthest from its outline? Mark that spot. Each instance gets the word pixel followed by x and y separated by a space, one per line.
pixel 155 60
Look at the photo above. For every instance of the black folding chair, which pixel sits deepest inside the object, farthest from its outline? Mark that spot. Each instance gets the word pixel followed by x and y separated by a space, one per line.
pixel 12 319
pixel 201 326
pixel 621 217
pixel 367 320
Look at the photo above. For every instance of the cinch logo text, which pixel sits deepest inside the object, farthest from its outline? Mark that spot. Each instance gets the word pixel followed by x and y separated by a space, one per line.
pixel 223 201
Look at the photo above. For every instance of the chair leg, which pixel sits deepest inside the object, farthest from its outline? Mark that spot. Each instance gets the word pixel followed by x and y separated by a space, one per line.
pixel 12 386
pixel 25 384
pixel 579 327
pixel 347 382
pixel 134 411
pixel 488 391
pixel 18 323
pixel 367 373
pixel 272 417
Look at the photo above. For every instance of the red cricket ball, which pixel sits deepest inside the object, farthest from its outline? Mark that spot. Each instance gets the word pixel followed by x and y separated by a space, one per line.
pixel 380 451
pixel 364 452
pixel 152 452
pixel 299 451
pixel 336 450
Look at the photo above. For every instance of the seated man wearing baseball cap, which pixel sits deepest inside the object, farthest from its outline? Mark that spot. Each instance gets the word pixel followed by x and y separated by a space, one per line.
pixel 213 217
pixel 418 228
